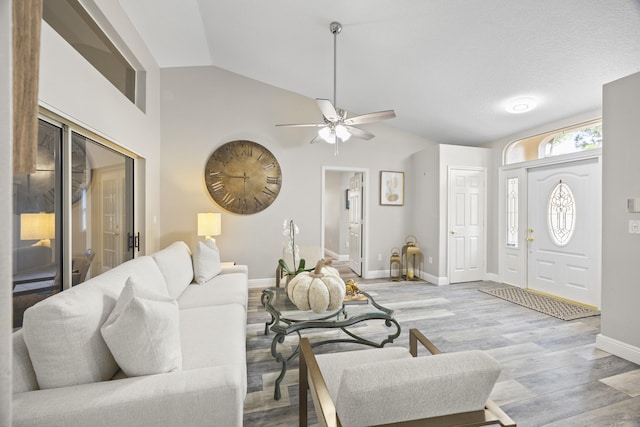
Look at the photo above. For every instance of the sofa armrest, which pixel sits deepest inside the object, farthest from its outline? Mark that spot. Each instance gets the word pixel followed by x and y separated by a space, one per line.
pixel 230 267
pixel 209 396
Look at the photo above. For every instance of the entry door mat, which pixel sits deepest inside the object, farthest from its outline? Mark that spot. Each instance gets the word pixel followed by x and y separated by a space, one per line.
pixel 544 304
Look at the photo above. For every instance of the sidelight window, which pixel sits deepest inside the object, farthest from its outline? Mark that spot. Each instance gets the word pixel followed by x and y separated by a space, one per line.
pixel 512 212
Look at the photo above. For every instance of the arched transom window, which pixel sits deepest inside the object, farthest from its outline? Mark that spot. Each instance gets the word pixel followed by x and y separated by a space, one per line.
pixel 572 139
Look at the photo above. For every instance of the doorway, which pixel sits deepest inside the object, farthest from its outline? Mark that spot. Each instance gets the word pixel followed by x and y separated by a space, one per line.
pixel 344 213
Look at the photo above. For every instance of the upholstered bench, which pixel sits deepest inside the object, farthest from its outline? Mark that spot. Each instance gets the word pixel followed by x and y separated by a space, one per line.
pixel 391 385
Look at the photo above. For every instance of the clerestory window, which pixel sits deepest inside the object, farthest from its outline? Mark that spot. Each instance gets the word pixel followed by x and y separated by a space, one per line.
pixel 572 139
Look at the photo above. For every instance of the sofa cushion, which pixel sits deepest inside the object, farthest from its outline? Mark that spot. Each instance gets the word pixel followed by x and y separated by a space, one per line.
pixel 176 266
pixel 215 336
pixel 62 333
pixel 206 261
pixel 231 288
pixel 142 332
pixel 22 375
pixel 415 388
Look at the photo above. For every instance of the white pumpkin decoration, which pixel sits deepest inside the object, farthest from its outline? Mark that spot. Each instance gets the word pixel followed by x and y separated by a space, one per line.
pixel 327 269
pixel 316 290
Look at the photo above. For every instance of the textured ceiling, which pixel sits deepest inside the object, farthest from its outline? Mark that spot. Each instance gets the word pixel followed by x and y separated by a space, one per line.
pixel 446 66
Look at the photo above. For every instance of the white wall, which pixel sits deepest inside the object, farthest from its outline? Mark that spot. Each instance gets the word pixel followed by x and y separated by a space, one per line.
pixel 204 107
pixel 72 88
pixel 6 179
pixel 621 180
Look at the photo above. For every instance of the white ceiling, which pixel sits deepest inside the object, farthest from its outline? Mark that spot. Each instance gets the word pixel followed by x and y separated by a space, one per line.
pixel 446 66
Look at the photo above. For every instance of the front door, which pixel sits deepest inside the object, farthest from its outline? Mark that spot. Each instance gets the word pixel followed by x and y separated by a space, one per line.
pixel 355 223
pixel 564 231
pixel 466 225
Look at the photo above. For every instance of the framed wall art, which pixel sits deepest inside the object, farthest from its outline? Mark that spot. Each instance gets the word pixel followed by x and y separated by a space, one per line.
pixel 391 188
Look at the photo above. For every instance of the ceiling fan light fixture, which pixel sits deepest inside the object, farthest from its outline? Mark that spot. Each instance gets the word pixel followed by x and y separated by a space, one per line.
pixel 327 134
pixel 342 133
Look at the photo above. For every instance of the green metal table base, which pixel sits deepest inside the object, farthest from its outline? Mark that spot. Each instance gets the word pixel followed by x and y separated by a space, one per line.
pixel 285 327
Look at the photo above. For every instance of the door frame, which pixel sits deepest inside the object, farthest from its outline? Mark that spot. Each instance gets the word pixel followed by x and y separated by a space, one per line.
pixel 524 212
pixel 365 210
pixel 483 170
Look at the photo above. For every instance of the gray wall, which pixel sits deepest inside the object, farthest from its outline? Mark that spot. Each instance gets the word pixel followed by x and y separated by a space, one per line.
pixel 6 179
pixel 204 107
pixel 430 197
pixel 620 250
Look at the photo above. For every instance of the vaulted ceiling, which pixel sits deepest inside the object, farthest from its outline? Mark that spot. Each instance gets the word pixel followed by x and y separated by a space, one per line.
pixel 447 67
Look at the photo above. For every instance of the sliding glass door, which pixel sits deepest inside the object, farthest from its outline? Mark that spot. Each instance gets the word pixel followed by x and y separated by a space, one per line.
pixel 93 190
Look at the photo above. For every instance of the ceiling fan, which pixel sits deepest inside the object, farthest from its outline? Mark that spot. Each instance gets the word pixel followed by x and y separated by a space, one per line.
pixel 338 126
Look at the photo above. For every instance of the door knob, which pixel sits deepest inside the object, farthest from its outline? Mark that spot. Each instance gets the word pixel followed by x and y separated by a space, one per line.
pixel 530 239
pixel 452 232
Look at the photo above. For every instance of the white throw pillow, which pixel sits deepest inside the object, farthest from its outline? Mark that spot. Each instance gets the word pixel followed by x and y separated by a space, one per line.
pixel 143 332
pixel 206 261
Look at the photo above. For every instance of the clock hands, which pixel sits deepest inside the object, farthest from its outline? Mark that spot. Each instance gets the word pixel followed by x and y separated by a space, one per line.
pixel 244 178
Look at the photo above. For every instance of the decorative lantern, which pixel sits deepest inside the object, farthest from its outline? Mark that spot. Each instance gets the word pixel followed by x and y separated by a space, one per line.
pixel 395 274
pixel 411 258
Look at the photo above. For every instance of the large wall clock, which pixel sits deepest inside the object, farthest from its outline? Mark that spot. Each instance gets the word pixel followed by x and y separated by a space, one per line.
pixel 243 177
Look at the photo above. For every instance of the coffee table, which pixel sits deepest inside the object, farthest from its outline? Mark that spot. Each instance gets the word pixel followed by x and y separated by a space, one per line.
pixel 287 319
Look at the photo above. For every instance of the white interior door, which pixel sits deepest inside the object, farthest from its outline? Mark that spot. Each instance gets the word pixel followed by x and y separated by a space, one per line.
pixel 112 219
pixel 564 231
pixel 355 223
pixel 466 225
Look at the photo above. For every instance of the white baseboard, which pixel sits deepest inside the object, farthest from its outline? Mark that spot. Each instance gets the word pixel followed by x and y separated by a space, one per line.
pixel 493 277
pixel 440 281
pixel 376 274
pixel 334 255
pixel 262 283
pixel 618 348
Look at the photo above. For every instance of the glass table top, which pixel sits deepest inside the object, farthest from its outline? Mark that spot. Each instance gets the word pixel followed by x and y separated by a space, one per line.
pixel 278 303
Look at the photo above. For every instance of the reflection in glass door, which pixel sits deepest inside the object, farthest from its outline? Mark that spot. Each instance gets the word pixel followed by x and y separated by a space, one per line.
pixel 102 211
pixel 37 225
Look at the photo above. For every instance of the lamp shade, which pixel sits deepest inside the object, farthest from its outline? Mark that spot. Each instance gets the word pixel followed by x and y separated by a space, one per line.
pixel 37 226
pixel 209 224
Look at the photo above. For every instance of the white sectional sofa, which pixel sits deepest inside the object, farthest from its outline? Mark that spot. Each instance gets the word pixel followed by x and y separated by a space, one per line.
pixel 64 373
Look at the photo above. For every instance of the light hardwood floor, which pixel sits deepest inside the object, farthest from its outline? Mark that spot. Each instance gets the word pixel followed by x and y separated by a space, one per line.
pixel 552 373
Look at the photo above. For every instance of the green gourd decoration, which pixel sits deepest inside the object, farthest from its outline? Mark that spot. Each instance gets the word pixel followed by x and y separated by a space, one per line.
pixel 317 291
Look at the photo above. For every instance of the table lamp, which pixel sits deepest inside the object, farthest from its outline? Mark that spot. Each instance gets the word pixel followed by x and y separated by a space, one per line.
pixel 38 226
pixel 209 225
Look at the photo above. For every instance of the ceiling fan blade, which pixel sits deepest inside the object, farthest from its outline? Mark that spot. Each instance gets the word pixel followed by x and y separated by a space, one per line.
pixel 303 125
pixel 359 133
pixel 327 109
pixel 315 139
pixel 370 117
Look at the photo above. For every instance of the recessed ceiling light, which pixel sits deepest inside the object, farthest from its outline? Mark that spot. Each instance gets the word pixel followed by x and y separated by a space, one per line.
pixel 521 105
